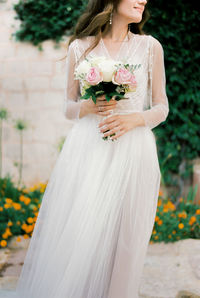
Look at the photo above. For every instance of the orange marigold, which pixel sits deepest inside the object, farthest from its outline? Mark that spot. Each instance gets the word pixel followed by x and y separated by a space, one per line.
pixel 181 226
pixel 9 201
pixel 27 201
pixel 192 220
pixel 198 211
pixel 160 222
pixel 30 220
pixel 3 243
pixel 17 206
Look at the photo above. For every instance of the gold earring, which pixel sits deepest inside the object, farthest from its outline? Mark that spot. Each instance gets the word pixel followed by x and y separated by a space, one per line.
pixel 111 18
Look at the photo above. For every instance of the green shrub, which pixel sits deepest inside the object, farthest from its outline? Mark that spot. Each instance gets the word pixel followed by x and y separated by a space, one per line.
pixel 175 221
pixel 18 209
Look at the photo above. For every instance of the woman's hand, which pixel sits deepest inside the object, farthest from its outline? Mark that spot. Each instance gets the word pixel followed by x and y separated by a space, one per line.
pixel 120 124
pixel 102 106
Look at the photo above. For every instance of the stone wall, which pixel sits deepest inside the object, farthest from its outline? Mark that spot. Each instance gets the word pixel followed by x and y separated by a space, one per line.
pixel 32 88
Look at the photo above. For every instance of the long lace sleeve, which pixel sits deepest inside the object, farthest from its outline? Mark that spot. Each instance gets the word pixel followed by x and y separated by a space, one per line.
pixel 72 103
pixel 159 107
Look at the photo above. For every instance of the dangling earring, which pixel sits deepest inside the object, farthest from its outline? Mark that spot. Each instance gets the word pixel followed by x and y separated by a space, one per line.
pixel 111 18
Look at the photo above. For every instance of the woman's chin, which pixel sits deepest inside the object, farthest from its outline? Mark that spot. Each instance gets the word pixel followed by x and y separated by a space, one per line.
pixel 137 19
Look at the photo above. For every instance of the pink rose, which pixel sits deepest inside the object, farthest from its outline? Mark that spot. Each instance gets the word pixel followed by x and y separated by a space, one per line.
pixel 94 76
pixel 124 76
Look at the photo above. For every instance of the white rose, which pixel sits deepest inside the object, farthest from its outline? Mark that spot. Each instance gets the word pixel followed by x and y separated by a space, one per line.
pixel 107 68
pixel 96 60
pixel 83 68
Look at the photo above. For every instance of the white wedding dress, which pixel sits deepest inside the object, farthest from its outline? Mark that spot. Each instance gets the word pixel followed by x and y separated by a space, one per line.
pixel 98 210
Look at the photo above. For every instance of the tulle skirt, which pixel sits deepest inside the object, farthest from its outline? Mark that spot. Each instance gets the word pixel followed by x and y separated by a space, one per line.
pixel 95 219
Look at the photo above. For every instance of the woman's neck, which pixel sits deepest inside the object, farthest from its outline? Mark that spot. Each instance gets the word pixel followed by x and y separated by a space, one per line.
pixel 118 30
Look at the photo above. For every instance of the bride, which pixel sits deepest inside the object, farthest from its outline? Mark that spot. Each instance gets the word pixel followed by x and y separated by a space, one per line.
pixel 98 210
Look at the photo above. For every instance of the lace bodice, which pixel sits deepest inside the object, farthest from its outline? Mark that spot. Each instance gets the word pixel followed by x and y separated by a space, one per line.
pixel 149 99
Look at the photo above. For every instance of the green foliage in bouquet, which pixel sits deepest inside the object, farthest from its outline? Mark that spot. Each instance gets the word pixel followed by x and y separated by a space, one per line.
pixel 107 88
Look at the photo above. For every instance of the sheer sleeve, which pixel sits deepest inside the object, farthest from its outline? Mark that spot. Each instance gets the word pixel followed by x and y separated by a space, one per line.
pixel 159 107
pixel 72 103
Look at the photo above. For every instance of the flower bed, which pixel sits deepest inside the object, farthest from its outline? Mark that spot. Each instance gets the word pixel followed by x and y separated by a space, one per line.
pixel 176 221
pixel 19 209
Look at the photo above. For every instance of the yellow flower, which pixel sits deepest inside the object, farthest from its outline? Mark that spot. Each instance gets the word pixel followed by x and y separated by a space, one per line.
pixel 29 229
pixel 156 237
pixel 192 220
pixel 159 202
pixel 7 206
pixel 5 235
pixel 173 232
pixel 10 224
pixel 181 226
pixel 3 243
pixel 8 231
pixel 169 206
pixel 156 218
pixel 154 231
pixel 182 214
pixel 1 208
pixel 33 188
pixel 198 211
pixel 9 201
pixel 27 201
pixel 18 239
pixel 17 206
pixel 160 222
pixel 22 198
pixel 24 226
pixel 26 236
pixel 30 220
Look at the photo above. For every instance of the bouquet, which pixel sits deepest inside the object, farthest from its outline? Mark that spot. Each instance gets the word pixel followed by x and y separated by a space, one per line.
pixel 99 76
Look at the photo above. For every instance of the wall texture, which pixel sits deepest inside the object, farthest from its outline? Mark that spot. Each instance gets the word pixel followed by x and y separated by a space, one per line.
pixel 32 88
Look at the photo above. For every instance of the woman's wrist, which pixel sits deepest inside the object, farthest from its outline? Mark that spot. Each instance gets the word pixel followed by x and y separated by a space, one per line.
pixel 83 109
pixel 138 119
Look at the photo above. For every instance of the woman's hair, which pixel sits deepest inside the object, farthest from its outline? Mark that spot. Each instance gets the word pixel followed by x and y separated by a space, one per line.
pixel 95 21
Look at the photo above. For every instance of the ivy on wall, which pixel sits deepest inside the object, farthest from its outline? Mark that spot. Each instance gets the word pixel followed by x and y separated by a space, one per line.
pixel 46 19
pixel 176 26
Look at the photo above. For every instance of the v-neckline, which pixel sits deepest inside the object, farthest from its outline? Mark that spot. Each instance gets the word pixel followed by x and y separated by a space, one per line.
pixel 118 51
